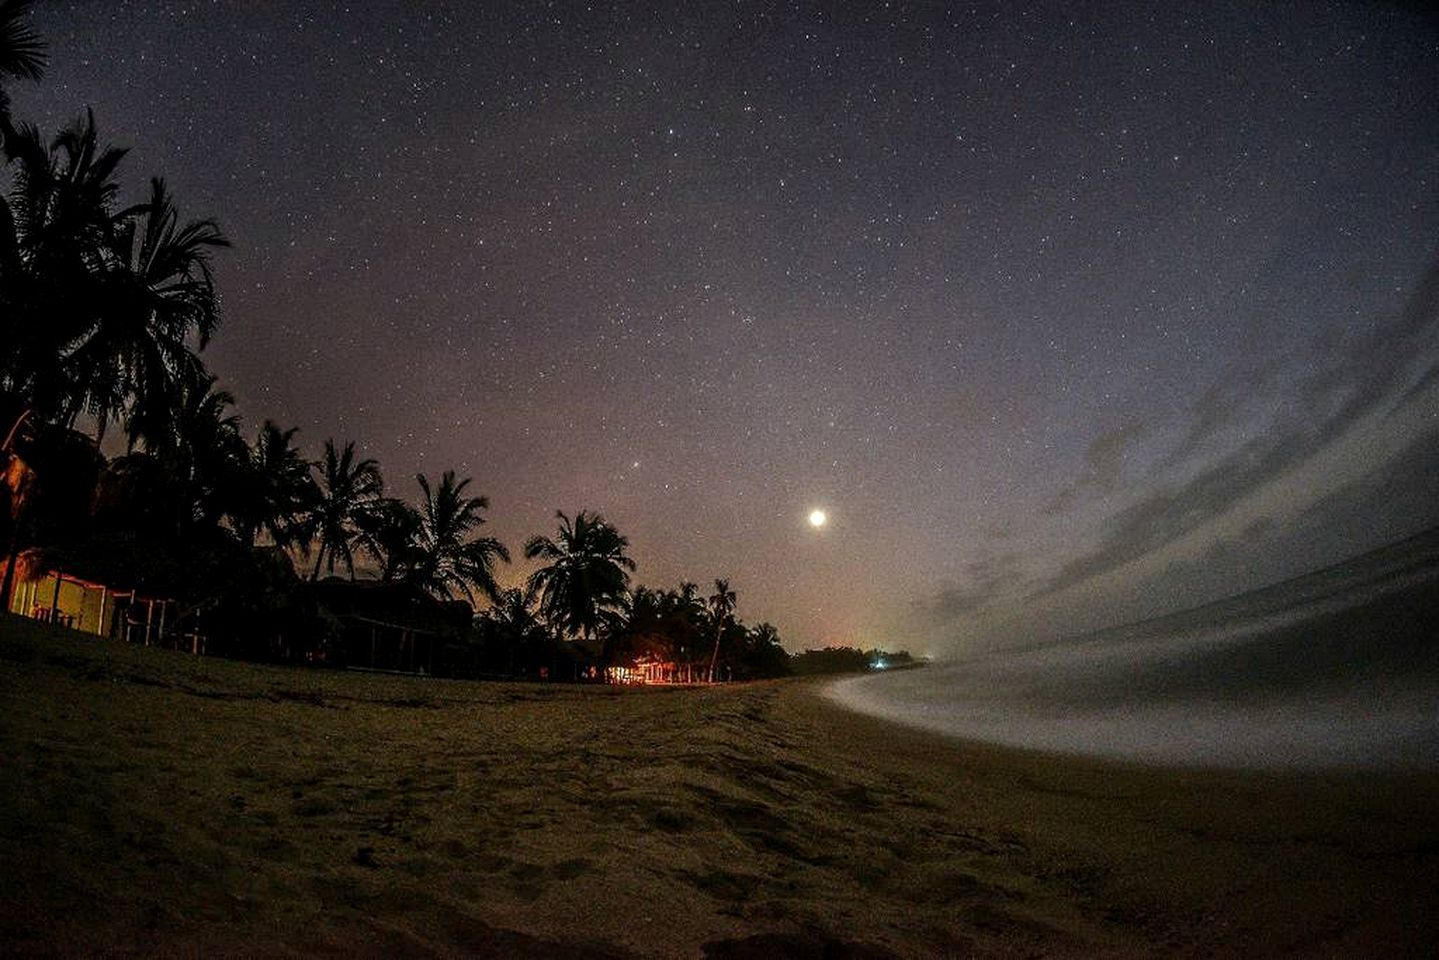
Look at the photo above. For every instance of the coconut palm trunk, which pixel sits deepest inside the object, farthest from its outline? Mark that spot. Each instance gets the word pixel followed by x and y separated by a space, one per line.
pixel 721 603
pixel 714 657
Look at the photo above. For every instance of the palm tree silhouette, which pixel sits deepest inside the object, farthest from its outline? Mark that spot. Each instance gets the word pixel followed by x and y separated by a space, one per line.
pixel 586 572
pixel 157 292
pixel 515 624
pixel 389 530
pixel 690 607
pixel 22 54
pixel 446 557
pixel 55 230
pixel 105 302
pixel 347 488
pixel 195 436
pixel 688 596
pixel 273 488
pixel 765 635
pixel 721 605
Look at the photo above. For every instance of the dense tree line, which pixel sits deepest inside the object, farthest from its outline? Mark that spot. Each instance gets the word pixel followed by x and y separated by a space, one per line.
pixel 107 309
pixel 847 660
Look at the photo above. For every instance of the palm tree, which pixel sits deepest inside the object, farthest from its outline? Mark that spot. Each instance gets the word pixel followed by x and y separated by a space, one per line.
pixel 157 292
pixel 514 624
pixel 765 635
pixel 686 611
pixel 56 226
pixel 641 609
pixel 721 605
pixel 585 574
pixel 198 443
pixel 764 656
pixel 274 488
pixel 688 596
pixel 104 303
pixel 445 555
pixel 347 488
pixel 22 54
pixel 389 531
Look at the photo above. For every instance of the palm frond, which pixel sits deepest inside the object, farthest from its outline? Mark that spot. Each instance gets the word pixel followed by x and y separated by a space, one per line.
pixel 22 52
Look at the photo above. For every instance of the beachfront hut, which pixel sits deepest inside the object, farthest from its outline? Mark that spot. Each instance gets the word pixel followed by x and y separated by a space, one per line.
pixel 70 601
pixel 394 627
pixel 645 669
pixel 647 658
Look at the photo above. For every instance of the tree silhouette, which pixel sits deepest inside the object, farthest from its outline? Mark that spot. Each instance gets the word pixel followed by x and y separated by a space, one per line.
pixel 765 635
pixel 586 572
pixel 55 230
pixel 688 598
pixel 104 303
pixel 22 54
pixel 347 488
pixel 158 291
pixel 721 607
pixel 273 488
pixel 446 557
pixel 513 626
pixel 197 443
pixel 389 530
pixel 764 657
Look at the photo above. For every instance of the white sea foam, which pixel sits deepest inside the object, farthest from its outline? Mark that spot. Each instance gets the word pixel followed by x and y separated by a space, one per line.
pixel 1399 729
pixel 1337 669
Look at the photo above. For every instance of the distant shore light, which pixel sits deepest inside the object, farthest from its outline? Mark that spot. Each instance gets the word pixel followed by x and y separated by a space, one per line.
pixel 817 518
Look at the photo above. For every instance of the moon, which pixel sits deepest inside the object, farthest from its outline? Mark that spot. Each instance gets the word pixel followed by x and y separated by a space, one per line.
pixel 817 518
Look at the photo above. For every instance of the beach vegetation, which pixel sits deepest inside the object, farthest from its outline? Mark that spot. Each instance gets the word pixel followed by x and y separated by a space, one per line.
pixel 842 659
pixel 273 488
pixel 176 528
pixel 583 575
pixel 348 488
pixel 22 54
pixel 447 559
pixel 721 610
pixel 388 531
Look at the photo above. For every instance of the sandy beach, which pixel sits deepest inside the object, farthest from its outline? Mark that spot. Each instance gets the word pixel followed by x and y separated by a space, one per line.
pixel 153 802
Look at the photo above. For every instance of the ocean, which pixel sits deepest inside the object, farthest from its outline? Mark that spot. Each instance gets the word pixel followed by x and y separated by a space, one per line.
pixel 1334 669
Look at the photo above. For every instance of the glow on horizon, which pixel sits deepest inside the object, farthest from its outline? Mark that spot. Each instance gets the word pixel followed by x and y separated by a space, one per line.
pixel 818 518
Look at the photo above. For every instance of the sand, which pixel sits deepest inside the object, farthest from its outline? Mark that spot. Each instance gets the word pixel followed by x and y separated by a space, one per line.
pixel 153 802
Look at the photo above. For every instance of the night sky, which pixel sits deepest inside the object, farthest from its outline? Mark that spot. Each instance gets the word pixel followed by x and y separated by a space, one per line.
pixel 1065 313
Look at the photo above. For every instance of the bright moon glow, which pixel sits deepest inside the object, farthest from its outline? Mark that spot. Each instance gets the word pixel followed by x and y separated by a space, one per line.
pixel 817 518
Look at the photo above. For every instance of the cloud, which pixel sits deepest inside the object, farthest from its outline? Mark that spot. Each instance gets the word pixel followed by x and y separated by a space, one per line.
pixel 1385 505
pixel 1269 475
pixel 1212 412
pixel 985 580
pixel 1171 512
pixel 1219 408
pixel 1372 375
pixel 1103 464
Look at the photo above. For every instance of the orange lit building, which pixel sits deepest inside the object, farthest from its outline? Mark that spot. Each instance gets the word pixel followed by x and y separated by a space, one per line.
pixel 70 601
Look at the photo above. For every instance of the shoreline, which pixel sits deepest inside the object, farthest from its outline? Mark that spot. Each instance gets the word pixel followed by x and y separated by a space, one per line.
pixel 1296 734
pixel 168 803
pixel 1198 860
